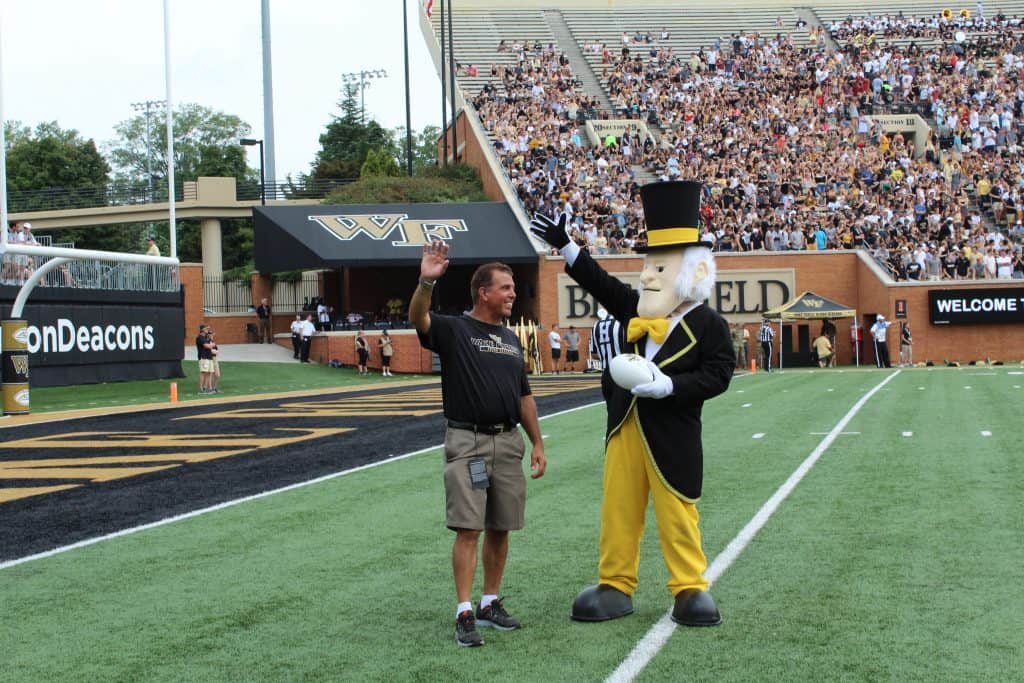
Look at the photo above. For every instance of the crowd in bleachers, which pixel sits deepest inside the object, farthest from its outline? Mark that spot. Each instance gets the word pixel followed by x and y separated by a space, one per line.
pixel 782 137
pixel 941 26
pixel 534 112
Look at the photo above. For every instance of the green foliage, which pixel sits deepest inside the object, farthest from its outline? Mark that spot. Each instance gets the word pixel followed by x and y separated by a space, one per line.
pixel 384 190
pixel 380 162
pixel 240 274
pixel 50 157
pixel 424 147
pixel 205 144
pixel 288 276
pixel 348 139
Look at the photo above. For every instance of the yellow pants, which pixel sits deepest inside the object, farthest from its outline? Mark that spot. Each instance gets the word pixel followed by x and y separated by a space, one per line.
pixel 629 476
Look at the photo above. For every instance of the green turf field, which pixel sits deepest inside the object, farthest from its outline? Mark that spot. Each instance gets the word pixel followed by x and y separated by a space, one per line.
pixel 238 379
pixel 898 557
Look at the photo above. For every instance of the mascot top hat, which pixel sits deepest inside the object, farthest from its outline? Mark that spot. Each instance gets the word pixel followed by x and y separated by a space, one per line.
pixel 672 214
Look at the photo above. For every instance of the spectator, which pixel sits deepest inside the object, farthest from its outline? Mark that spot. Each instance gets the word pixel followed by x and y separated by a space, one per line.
pixel 263 319
pixel 823 349
pixel 387 350
pixel 572 349
pixel 308 329
pixel 362 353
pixel 296 330
pixel 205 357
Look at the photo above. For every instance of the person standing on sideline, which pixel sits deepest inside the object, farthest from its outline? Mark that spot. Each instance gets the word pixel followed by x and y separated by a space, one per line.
pixel 323 317
pixel 555 339
pixel 205 356
pixel 307 331
pixel 765 336
pixel 906 345
pixel 362 353
pixel 387 349
pixel 263 318
pixel 823 347
pixel 296 336
pixel 486 394
pixel 152 249
pixel 572 349
pixel 879 331
pixel 214 387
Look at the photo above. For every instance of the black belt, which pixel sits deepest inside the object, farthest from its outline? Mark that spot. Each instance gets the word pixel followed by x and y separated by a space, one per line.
pixel 483 429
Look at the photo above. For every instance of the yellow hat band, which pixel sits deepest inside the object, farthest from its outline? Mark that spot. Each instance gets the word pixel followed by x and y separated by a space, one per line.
pixel 664 237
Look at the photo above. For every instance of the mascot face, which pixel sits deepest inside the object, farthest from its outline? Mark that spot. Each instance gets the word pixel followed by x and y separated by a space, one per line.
pixel 672 277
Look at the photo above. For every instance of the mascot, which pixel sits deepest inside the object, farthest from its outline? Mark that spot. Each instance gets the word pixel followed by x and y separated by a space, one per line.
pixel 653 441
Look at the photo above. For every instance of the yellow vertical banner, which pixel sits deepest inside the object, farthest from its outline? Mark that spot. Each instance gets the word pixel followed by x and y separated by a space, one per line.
pixel 14 384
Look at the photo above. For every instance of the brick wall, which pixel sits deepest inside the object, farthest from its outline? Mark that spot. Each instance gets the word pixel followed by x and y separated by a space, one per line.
pixel 409 356
pixel 843 278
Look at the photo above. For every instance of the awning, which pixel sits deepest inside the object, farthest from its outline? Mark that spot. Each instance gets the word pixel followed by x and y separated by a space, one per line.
pixel 310 236
pixel 809 306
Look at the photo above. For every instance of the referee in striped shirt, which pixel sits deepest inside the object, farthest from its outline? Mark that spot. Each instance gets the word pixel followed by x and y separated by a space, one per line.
pixel 765 336
pixel 606 339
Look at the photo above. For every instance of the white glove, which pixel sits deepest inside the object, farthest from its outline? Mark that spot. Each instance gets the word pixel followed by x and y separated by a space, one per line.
pixel 659 387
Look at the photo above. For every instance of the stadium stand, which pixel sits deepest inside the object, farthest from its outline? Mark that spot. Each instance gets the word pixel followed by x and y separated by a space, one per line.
pixel 776 109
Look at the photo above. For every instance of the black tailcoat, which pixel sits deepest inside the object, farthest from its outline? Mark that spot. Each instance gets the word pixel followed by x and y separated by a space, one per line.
pixel 697 355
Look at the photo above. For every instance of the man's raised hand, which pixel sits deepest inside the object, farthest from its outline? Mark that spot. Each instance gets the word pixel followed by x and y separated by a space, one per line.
pixel 549 231
pixel 435 260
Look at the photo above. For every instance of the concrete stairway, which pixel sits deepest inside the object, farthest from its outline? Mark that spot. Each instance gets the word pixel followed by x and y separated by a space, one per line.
pixel 567 44
pixel 812 19
pixel 641 176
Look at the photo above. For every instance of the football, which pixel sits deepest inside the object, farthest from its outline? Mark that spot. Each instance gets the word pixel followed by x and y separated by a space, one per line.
pixel 629 370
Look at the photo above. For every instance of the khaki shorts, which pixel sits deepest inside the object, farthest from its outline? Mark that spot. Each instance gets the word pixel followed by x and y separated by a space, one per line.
pixel 500 507
pixel 215 367
pixel 205 365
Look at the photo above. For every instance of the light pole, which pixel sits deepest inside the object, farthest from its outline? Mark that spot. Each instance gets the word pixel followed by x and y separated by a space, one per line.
pixel 248 142
pixel 363 78
pixel 148 106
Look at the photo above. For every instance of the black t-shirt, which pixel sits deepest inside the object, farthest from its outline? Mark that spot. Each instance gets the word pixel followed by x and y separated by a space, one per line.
pixel 483 376
pixel 201 350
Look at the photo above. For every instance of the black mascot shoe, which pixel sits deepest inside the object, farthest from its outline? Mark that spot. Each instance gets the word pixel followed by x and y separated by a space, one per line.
pixel 695 607
pixel 601 603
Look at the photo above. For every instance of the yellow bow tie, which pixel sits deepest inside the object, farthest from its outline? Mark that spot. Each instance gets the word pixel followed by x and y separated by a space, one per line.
pixel 656 328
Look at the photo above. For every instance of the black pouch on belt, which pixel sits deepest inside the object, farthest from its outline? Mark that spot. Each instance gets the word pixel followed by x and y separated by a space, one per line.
pixel 478 474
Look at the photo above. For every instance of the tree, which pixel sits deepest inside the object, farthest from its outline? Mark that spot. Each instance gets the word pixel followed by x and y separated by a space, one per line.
pixel 348 139
pixel 424 147
pixel 49 158
pixel 205 143
pixel 379 162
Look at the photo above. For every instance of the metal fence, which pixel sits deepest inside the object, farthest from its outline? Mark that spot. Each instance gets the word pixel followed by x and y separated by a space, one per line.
pixel 121 194
pixel 89 197
pixel 309 189
pixel 15 269
pixel 235 296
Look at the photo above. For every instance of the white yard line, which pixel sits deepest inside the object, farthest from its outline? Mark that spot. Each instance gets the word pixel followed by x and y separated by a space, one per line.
pixel 238 501
pixel 658 635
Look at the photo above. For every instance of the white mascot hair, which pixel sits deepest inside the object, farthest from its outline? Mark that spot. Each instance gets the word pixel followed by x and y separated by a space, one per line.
pixel 686 288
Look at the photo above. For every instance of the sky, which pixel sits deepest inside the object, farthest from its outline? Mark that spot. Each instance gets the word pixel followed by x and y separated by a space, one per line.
pixel 82 63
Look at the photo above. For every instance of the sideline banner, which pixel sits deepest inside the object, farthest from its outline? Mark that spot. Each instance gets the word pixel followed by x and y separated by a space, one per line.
pixel 976 306
pixel 76 343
